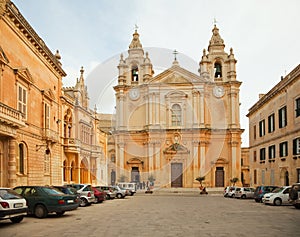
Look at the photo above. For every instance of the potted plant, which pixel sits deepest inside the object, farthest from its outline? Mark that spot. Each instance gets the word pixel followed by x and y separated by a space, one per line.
pixel 200 179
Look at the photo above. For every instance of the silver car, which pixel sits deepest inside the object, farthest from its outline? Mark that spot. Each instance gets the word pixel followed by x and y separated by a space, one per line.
pixel 121 192
pixel 86 194
pixel 244 192
pixel 111 193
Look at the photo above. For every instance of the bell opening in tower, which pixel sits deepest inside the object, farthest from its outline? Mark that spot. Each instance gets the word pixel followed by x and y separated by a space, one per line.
pixel 218 70
pixel 135 73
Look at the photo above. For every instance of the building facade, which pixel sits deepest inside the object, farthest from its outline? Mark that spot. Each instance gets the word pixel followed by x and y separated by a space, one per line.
pixel 274 134
pixel 177 126
pixel 30 90
pixel 48 135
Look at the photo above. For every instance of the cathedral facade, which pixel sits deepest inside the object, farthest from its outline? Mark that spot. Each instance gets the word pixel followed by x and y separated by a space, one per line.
pixel 176 126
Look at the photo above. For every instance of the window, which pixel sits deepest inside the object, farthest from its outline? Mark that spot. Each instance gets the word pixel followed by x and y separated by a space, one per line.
pixel 254 156
pixel 282 117
pixel 113 158
pixel 271 123
pixel 297 107
pixel 296 146
pixel 262 154
pixel 262 128
pixel 283 149
pixel 47 163
pixel 254 131
pixel 272 153
pixel 176 115
pixel 46 116
pixel 22 100
pixel 85 134
pixel 255 177
pixel 298 176
pixel 21 162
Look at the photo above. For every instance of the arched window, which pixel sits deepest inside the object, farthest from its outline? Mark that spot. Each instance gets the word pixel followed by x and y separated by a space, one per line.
pixel 65 171
pixel 218 70
pixel 72 171
pixel 135 73
pixel 21 163
pixel 176 115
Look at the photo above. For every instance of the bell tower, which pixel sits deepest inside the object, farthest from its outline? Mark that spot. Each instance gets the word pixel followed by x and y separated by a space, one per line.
pixel 217 65
pixel 137 67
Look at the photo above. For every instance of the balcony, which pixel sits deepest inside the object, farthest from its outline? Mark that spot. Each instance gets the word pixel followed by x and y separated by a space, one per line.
pixel 71 145
pixel 50 135
pixel 10 120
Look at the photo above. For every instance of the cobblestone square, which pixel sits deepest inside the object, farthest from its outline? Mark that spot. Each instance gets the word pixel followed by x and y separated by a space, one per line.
pixel 168 214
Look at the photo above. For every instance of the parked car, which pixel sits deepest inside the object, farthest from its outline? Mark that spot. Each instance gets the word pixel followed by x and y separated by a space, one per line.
pixel 231 192
pixel 42 200
pixel 278 196
pixel 294 195
pixel 99 194
pixel 131 187
pixel 227 190
pixel 86 193
pixel 260 191
pixel 109 190
pixel 244 192
pixel 121 192
pixel 68 190
pixel 12 205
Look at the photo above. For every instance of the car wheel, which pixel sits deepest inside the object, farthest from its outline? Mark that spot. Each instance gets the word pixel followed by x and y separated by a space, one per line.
pixel 297 206
pixel 16 219
pixel 243 196
pixel 60 213
pixel 277 202
pixel 232 195
pixel 107 197
pixel 119 195
pixel 83 202
pixel 40 211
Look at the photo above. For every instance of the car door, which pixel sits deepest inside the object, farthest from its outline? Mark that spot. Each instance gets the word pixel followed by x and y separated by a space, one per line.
pixel 285 195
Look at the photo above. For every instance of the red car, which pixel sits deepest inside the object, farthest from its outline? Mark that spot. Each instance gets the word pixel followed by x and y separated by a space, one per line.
pixel 99 194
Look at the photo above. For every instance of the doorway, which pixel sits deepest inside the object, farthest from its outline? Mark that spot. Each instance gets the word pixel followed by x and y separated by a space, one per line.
pixel 219 177
pixel 176 175
pixel 135 175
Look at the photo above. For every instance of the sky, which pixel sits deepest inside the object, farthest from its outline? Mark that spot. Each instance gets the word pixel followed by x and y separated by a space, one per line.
pixel 264 35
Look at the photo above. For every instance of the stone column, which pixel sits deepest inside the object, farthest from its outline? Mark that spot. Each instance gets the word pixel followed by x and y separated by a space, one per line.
pixel 12 165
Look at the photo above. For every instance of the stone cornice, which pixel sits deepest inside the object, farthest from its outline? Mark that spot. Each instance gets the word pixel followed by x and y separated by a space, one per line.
pixel 281 86
pixel 20 22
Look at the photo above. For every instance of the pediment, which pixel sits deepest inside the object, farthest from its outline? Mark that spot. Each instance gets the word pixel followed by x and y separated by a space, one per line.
pixel 176 75
pixel 24 74
pixel 3 57
pixel 49 94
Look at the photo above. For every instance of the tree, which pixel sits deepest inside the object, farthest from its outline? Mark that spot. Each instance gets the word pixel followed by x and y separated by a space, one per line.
pixel 234 180
pixel 200 179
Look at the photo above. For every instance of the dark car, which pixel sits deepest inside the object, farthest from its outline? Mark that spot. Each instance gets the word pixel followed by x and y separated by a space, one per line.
pixel 42 200
pixel 99 194
pixel 260 191
pixel 68 190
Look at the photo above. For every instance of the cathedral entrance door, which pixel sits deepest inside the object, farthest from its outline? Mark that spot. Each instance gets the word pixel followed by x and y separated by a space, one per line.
pixel 176 175
pixel 135 174
pixel 219 176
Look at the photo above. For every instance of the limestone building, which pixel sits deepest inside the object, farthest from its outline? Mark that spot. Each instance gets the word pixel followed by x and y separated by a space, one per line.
pixel 176 126
pixel 274 134
pixel 48 134
pixel 30 112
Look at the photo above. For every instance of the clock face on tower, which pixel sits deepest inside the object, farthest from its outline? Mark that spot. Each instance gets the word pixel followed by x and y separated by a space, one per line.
pixel 134 93
pixel 218 91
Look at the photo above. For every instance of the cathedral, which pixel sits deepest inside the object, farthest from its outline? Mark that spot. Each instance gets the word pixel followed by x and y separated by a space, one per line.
pixel 176 126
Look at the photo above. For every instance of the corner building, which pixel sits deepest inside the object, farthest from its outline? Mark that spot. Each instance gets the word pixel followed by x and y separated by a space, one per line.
pixel 274 134
pixel 177 126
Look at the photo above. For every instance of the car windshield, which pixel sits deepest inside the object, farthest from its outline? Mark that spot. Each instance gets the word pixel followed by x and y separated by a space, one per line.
pixel 52 191
pixel 7 194
pixel 277 190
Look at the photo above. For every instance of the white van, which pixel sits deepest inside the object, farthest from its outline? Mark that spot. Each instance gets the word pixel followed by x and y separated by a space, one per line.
pixel 131 187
